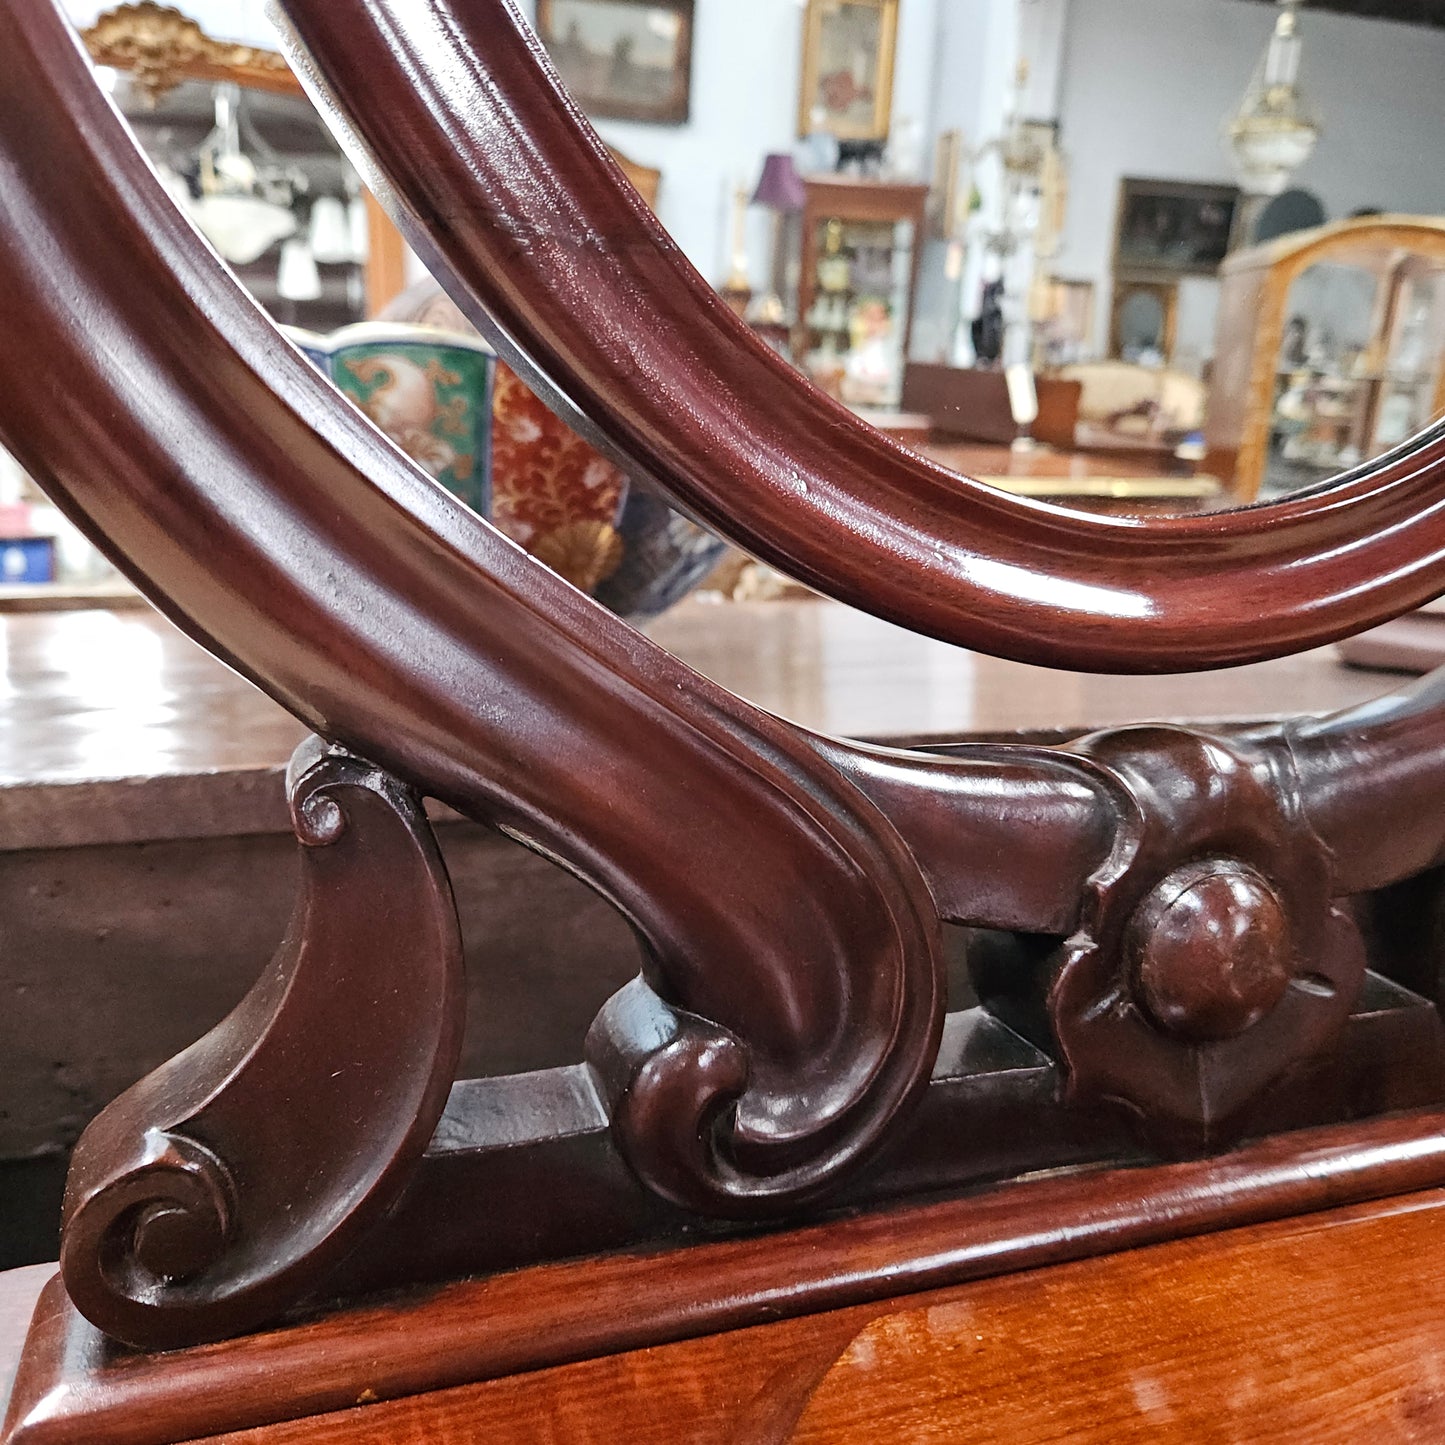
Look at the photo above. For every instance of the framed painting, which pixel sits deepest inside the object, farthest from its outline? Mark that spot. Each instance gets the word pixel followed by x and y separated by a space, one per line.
pixel 623 59
pixel 848 52
pixel 1175 227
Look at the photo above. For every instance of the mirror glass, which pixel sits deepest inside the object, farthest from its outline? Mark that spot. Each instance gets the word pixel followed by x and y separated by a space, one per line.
pixel 1359 365
pixel 267 185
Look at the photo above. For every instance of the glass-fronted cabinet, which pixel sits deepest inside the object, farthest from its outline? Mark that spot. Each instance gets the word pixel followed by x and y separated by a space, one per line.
pixel 860 251
pixel 1328 353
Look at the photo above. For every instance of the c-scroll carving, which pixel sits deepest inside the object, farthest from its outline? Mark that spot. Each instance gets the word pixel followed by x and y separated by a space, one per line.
pixel 773 898
pixel 762 1058
pixel 222 1186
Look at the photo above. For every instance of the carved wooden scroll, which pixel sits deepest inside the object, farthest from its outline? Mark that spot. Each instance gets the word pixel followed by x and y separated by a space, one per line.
pixel 1171 949
pixel 276 1142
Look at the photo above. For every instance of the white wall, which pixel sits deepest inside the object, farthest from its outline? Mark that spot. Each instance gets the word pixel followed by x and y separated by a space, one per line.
pixel 1147 84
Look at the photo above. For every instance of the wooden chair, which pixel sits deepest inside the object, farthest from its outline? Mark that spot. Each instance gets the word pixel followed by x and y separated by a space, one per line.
pixel 1171 1172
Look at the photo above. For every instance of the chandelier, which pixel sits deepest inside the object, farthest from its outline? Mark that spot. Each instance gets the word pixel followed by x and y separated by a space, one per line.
pixel 1273 132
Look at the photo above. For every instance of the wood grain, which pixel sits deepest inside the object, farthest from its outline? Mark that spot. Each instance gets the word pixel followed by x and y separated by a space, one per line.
pixel 1329 1330
pixel 75 1386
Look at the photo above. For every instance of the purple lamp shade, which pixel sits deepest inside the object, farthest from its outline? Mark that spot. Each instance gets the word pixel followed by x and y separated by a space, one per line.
pixel 780 187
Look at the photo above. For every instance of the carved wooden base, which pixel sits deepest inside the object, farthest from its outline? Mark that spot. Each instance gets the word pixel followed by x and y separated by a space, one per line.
pixel 991 1112
pixel 76 1386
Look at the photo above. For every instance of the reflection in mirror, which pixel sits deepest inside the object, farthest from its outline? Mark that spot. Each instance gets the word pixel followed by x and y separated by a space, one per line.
pixel 268 187
pixel 244 154
pixel 241 149
pixel 1073 186
pixel 1330 348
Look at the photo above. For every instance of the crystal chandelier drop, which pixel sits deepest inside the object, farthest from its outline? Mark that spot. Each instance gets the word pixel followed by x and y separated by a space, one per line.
pixel 1273 132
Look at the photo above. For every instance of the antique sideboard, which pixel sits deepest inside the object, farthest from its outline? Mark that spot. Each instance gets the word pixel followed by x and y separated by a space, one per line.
pixel 1165 1164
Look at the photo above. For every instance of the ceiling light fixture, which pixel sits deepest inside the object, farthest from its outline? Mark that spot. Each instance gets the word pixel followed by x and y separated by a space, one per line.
pixel 1274 132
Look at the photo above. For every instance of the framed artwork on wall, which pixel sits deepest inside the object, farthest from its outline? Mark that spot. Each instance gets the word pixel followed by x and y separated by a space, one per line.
pixel 623 59
pixel 1180 228
pixel 848 52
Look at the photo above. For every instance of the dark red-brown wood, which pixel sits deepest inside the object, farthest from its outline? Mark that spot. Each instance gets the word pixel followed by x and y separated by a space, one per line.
pixel 206 1197
pixel 1172 948
pixel 1320 1330
pixel 75 1386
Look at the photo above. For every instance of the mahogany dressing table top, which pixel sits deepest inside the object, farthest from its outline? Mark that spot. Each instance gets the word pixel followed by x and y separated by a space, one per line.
pixel 114 727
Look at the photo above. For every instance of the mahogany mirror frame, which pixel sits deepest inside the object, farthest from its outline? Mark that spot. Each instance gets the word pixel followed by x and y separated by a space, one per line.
pixel 787 1049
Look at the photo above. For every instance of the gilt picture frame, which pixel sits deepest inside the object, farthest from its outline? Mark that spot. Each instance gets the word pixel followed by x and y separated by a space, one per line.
pixel 623 59
pixel 849 48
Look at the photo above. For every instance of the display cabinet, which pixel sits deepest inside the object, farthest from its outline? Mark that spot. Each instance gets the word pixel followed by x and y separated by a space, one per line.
pixel 1328 351
pixel 861 244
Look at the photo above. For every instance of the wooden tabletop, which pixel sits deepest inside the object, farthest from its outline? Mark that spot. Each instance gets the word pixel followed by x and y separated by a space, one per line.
pixel 1161 483
pixel 113 726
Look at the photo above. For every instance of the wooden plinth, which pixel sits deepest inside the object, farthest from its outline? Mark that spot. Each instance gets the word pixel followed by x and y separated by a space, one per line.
pixel 815 1289
pixel 1318 1330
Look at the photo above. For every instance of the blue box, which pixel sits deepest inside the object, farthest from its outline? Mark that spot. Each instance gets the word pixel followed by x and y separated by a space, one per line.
pixel 26 559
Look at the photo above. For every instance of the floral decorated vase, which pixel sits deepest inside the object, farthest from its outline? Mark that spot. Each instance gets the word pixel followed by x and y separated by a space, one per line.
pixel 643 558
pixel 429 392
pixel 430 382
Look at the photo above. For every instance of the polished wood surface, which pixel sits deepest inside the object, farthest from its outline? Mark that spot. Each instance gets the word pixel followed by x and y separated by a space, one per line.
pixel 1321 1331
pixel 1174 937
pixel 1414 643
pixel 95 695
pixel 1041 463
pixel 116 594
pixel 749 447
pixel 1312 1330
pixel 74 1385
pixel 1123 485
pixel 1200 1340
pixel 374 915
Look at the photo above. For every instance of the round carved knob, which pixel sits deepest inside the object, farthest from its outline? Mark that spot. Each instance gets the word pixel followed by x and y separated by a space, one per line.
pixel 1210 950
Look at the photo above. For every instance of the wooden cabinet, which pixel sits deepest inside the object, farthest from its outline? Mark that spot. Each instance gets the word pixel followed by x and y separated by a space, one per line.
pixel 1328 351
pixel 861 244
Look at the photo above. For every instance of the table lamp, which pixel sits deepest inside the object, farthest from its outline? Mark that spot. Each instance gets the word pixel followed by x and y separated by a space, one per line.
pixel 780 190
